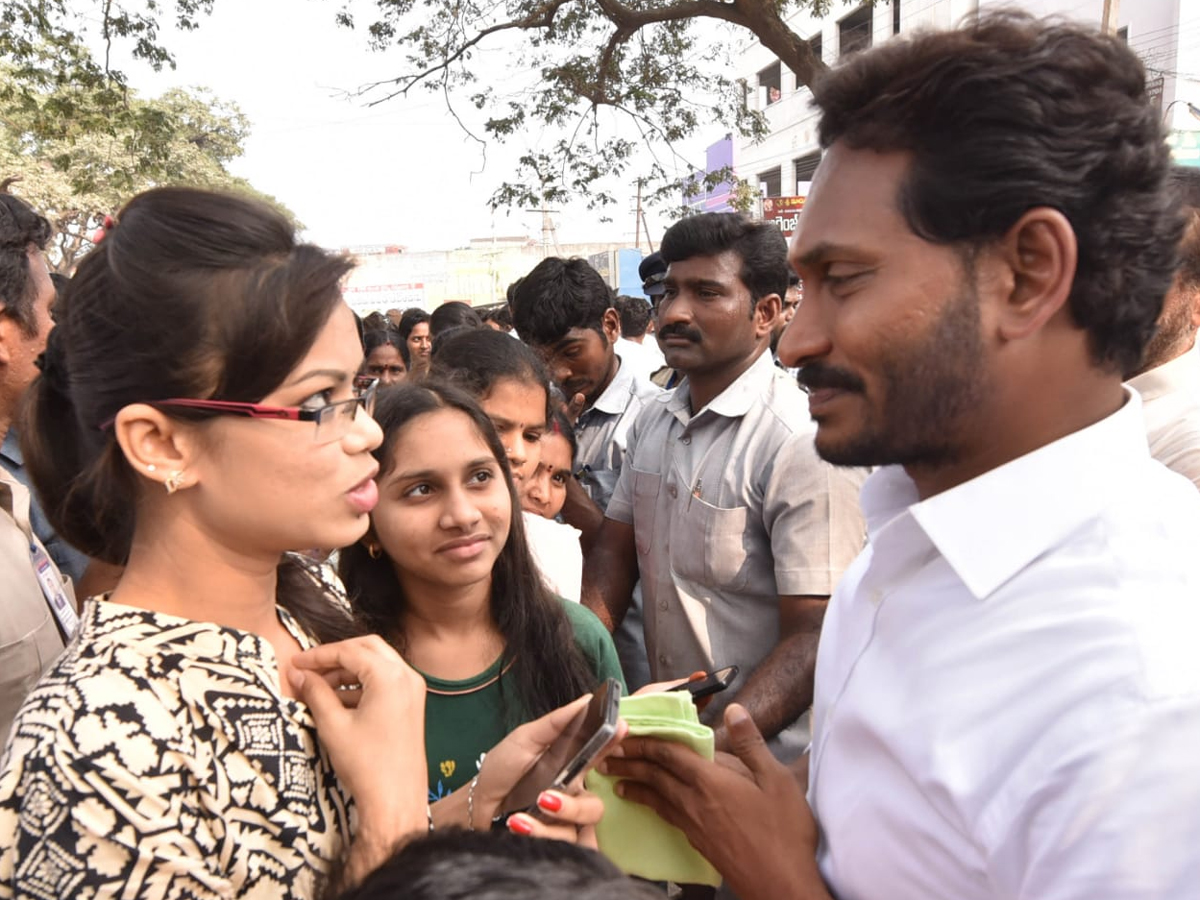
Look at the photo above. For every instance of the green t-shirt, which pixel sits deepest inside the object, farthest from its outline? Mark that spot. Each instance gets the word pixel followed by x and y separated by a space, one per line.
pixel 465 719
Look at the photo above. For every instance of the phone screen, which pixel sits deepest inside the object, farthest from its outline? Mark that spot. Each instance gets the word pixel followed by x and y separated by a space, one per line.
pixel 571 751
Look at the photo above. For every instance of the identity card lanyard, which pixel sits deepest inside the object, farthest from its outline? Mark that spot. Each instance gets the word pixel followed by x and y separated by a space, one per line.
pixel 56 593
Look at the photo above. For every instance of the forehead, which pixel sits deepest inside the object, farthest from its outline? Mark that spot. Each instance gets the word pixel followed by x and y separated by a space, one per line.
pixel 518 403
pixel 421 329
pixel 724 267
pixel 438 440
pixel 385 353
pixel 852 204
pixel 573 337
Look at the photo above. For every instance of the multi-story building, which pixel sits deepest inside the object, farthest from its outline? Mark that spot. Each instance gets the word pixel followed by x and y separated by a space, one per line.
pixel 1165 34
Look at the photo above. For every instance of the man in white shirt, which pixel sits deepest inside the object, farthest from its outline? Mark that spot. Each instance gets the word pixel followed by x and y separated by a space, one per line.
pixel 1007 699
pixel 1168 379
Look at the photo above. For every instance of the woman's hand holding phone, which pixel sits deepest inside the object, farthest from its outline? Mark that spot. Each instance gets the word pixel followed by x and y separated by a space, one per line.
pixel 568 815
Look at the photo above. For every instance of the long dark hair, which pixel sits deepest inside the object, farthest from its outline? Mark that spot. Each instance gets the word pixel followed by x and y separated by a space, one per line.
pixel 547 667
pixel 192 294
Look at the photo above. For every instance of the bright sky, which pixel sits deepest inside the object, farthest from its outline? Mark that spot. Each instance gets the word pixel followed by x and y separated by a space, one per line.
pixel 401 172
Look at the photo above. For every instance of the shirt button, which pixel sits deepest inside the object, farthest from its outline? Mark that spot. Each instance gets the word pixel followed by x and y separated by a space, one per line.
pixel 662 658
pixel 686 439
pixel 671 489
pixel 662 604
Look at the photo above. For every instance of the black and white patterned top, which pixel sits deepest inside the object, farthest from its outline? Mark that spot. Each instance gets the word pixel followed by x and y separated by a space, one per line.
pixel 158 758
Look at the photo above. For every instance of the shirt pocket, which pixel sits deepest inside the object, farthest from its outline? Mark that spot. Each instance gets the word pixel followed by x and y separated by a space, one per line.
pixel 711 547
pixel 645 508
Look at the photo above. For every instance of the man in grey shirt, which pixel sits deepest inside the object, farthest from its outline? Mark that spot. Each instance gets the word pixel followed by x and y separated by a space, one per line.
pixel 735 526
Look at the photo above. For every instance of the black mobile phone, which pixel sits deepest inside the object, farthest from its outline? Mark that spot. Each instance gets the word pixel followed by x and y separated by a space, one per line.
pixel 712 683
pixel 570 754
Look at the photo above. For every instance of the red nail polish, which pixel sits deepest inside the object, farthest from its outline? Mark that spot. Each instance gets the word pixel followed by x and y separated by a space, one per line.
pixel 549 802
pixel 517 825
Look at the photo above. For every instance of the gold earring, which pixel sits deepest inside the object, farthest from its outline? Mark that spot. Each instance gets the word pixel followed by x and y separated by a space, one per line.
pixel 374 551
pixel 174 481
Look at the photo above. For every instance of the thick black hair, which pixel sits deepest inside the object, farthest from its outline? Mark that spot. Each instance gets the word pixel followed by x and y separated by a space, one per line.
pixel 759 245
pixel 476 358
pixel 1009 113
pixel 377 337
pixel 547 668
pixel 635 315
pixel 558 295
pixel 454 314
pixel 469 865
pixel 410 319
pixel 20 227
pixel 193 294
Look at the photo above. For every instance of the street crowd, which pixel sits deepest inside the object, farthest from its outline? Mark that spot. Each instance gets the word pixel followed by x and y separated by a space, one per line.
pixel 292 600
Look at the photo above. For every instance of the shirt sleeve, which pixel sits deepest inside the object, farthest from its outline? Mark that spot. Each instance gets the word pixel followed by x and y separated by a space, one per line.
pixel 595 643
pixel 812 513
pixel 1112 817
pixel 620 505
pixel 78 822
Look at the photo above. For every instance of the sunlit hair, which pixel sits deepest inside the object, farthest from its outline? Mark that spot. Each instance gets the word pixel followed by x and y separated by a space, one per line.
pixel 191 294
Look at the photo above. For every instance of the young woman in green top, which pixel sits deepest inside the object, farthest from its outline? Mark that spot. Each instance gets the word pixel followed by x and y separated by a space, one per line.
pixel 445 575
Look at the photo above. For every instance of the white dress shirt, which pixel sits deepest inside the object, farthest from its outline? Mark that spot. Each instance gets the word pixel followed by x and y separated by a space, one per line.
pixel 1008 684
pixel 1171 407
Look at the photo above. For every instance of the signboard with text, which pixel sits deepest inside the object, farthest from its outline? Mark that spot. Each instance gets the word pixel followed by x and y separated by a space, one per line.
pixel 368 298
pixel 784 212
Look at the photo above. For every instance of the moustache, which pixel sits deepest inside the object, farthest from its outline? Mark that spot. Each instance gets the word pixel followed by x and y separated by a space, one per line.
pixel 682 331
pixel 816 376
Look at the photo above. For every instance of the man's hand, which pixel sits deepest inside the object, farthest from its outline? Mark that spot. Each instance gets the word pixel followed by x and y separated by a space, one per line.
pixel 757 831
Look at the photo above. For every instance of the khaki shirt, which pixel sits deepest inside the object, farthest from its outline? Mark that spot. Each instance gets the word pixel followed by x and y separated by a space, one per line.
pixel 732 508
pixel 30 639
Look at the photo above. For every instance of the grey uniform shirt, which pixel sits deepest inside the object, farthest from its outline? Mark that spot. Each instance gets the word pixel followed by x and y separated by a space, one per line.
pixel 731 509
pixel 603 428
pixel 29 634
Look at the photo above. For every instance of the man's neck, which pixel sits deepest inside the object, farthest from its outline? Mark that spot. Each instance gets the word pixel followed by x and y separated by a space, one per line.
pixel 704 387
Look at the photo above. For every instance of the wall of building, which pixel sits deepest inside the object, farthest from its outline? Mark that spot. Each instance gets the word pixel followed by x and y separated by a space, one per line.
pixel 1164 33
pixel 479 274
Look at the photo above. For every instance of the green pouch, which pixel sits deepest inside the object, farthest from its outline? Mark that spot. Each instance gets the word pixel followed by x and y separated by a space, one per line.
pixel 633 836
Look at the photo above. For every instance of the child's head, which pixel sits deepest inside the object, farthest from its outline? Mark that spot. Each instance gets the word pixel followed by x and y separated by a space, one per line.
pixel 510 384
pixel 545 491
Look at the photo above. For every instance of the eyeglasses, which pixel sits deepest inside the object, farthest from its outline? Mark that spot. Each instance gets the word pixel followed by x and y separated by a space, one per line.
pixel 333 421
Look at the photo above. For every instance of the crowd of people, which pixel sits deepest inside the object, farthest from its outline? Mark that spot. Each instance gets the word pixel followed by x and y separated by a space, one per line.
pixel 292 600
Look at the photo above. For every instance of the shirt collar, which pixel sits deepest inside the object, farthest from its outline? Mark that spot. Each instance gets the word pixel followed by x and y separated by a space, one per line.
pixel 737 399
pixel 10 450
pixel 991 527
pixel 1180 374
pixel 616 396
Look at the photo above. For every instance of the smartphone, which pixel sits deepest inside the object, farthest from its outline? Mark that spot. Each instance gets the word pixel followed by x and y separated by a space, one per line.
pixel 570 754
pixel 712 683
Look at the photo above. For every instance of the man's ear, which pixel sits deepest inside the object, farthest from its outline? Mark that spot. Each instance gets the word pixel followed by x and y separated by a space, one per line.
pixel 156 445
pixel 1041 253
pixel 766 311
pixel 611 323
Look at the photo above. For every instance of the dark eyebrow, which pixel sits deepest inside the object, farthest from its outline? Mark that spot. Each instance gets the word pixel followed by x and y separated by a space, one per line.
pixel 565 342
pixel 338 375
pixel 823 250
pixel 429 474
pixel 697 283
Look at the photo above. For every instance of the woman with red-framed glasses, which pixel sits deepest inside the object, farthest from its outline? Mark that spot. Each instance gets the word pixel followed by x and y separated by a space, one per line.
pixel 218 726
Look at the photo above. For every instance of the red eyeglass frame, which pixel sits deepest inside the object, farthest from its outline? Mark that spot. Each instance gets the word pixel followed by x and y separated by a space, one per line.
pixel 258 411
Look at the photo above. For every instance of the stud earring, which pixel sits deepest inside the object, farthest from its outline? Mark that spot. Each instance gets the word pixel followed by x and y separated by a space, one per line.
pixel 151 467
pixel 174 482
